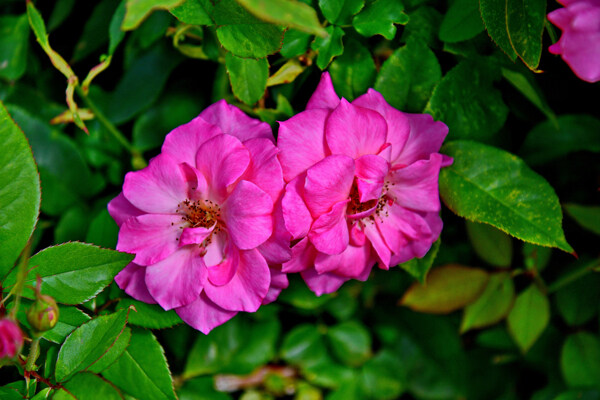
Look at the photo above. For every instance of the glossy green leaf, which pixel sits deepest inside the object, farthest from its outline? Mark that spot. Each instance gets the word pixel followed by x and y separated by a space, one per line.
pixel 529 317
pixel 516 27
pixel 142 371
pixel 340 12
pixel 354 71
pixel 419 267
pixel 87 386
pixel 461 22
pixel 408 76
pixel 506 194
pixel 138 10
pixel 19 192
pixel 546 142
pixel 303 346
pixel 115 34
pixel 149 315
pixel 580 360
pixel 350 342
pixel 328 47
pixel 193 12
pixel 113 354
pixel 446 289
pixel 379 17
pixel 586 216
pixel 492 306
pixel 290 13
pixel 577 302
pixel 491 245
pixel 87 344
pixel 468 103
pixel 243 34
pixel 73 272
pixel 526 84
pixel 295 43
pixel 14 44
pixel 248 77
pixel 69 318
pixel 327 373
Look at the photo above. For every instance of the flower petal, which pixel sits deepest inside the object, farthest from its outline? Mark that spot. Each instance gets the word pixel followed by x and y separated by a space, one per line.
pixel 351 263
pixel 120 209
pixel 222 160
pixel 398 126
pixel 380 246
pixel 151 237
pixel 416 186
pixel 426 137
pixel 232 121
pixel 371 171
pixel 248 287
pixel 325 95
pixel 420 246
pixel 327 183
pixel 301 140
pixel 158 188
pixel 194 235
pixel 329 232
pixel 322 283
pixel 177 280
pixel 204 315
pixel 355 131
pixel 279 281
pixel 221 272
pixel 264 169
pixel 276 250
pixel 247 215
pixel 303 256
pixel 183 142
pixel 132 279
pixel 296 217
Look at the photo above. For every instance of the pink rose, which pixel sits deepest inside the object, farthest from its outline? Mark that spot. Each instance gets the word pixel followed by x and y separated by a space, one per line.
pixel 579 44
pixel 11 338
pixel 362 186
pixel 200 220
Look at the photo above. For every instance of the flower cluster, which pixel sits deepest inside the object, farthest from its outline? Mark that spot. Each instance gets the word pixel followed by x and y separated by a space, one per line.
pixel 221 215
pixel 579 44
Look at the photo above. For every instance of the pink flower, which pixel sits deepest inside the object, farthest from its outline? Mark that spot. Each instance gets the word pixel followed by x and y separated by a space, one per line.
pixel 200 220
pixel 579 44
pixel 11 338
pixel 362 186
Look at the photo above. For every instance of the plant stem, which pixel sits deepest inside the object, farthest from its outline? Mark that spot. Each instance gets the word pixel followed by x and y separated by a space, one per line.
pixel 34 352
pixel 21 278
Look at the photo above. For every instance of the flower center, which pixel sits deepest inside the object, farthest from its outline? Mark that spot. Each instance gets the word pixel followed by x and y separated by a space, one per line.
pixel 377 207
pixel 199 213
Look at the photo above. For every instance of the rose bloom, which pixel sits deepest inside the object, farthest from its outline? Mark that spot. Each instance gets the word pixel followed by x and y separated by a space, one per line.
pixel 11 338
pixel 362 186
pixel 579 44
pixel 200 220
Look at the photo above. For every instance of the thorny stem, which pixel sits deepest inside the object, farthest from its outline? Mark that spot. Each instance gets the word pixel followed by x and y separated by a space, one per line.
pixel 34 352
pixel 137 158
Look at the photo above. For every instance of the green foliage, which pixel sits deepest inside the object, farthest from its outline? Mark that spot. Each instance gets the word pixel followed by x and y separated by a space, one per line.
pixel 461 22
pixel 529 317
pixel 14 44
pixel 378 18
pixel 248 77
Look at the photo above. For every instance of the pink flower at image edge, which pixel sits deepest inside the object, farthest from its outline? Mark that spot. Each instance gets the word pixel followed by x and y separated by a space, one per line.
pixel 579 44
pixel 200 220
pixel 362 186
pixel 11 338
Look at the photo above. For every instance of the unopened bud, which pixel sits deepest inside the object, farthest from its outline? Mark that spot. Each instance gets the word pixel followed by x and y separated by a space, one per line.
pixel 11 338
pixel 43 313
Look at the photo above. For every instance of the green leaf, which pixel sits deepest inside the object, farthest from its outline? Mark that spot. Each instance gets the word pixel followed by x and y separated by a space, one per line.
pixel 586 216
pixel 506 194
pixel 419 267
pixel 69 319
pixel 492 306
pixel 379 17
pixel 303 346
pixel 201 388
pixel 115 34
pixel 578 302
pixel 103 231
pixel 289 13
pixel 327 373
pixel 19 192
pixel 295 43
pixel 490 244
pixel 380 378
pixel 350 342
pixel 138 10
pixel 468 103
pixel 340 12
pixel 87 386
pixel 408 76
pixel 62 9
pixel 73 273
pixel 193 12
pixel 529 317
pixel 447 289
pixel 536 257
pixel 248 77
pixel 243 34
pixel 88 343
pixel 461 22
pixel 328 47
pixel 547 142
pixel 516 27
pixel 259 346
pixel 72 225
pixel 580 360
pixel 14 44
pixel 149 315
pixel 423 24
pixel 354 71
pixel 287 73
pixel 95 32
pixel 301 297
pixel 526 84
pixel 579 394
pixel 142 371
